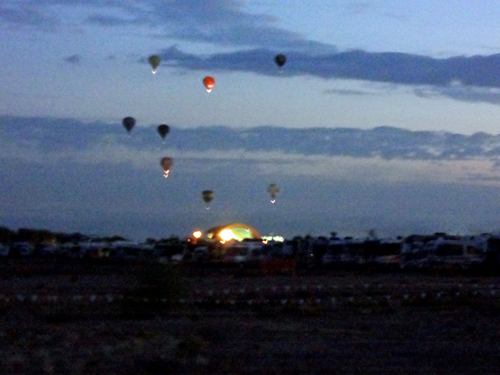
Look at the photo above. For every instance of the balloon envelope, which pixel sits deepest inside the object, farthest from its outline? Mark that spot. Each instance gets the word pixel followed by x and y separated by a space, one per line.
pixel 128 123
pixel 209 83
pixel 207 196
pixel 163 130
pixel 280 60
pixel 154 61
pixel 273 190
pixel 166 163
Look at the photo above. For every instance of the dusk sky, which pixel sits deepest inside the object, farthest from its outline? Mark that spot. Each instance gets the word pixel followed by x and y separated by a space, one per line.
pixel 71 70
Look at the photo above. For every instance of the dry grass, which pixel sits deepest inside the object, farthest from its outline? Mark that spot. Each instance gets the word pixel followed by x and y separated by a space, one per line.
pixel 419 335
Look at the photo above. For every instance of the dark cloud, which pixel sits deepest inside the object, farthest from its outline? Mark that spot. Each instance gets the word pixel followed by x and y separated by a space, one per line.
pixel 73 59
pixel 389 67
pixel 460 92
pixel 23 13
pixel 106 20
pixel 348 92
pixel 220 22
pixel 47 180
pixel 51 136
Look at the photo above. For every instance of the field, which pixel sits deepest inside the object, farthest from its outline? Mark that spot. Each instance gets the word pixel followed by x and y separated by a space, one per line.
pixel 62 318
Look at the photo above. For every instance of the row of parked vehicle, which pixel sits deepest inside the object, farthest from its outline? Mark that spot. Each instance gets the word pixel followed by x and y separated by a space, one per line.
pixel 119 250
pixel 418 252
pixel 438 251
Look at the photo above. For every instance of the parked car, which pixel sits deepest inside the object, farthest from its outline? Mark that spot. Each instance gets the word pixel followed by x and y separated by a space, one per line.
pixel 333 255
pixel 242 254
pixel 455 255
pixel 385 254
pixel 4 250
pixel 21 249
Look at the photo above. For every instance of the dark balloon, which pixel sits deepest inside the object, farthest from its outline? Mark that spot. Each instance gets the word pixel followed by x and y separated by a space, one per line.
pixel 280 60
pixel 163 130
pixel 154 61
pixel 273 190
pixel 207 196
pixel 128 123
pixel 166 163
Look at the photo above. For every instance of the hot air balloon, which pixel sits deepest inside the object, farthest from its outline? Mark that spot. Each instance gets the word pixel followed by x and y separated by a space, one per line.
pixel 280 60
pixel 166 164
pixel 207 196
pixel 209 83
pixel 163 130
pixel 273 190
pixel 128 123
pixel 154 61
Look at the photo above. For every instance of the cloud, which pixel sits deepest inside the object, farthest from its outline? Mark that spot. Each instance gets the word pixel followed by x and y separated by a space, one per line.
pixel 257 39
pixel 73 59
pixel 50 136
pixel 387 67
pixel 66 175
pixel 218 22
pixel 18 13
pixel 382 153
pixel 348 92
pixel 458 91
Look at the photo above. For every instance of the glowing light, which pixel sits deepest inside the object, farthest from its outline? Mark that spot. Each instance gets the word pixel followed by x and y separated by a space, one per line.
pixel 273 200
pixel 197 234
pixel 166 172
pixel 209 89
pixel 154 71
pixel 273 238
pixel 227 234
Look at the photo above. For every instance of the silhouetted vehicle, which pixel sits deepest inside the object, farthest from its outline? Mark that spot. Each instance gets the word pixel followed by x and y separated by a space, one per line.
pixel 455 255
pixel 22 249
pixel 4 250
pixel 333 254
pixel 384 254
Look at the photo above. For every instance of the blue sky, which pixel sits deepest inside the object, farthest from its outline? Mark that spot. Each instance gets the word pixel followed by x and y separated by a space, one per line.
pixel 417 66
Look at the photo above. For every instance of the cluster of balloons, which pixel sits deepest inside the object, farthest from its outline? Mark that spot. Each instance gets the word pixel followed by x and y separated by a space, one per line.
pixel 208 81
pixel 163 129
pixel 208 195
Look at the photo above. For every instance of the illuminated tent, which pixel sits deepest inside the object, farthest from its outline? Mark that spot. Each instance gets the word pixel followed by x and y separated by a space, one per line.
pixel 235 231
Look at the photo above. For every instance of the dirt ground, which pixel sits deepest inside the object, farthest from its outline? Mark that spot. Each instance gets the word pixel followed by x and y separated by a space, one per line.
pixel 91 320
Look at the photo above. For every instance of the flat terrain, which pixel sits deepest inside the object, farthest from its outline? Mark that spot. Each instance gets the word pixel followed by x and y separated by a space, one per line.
pixel 94 319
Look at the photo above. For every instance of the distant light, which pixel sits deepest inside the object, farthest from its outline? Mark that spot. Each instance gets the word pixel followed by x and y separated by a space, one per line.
pixel 166 172
pixel 197 234
pixel 154 72
pixel 273 238
pixel 273 200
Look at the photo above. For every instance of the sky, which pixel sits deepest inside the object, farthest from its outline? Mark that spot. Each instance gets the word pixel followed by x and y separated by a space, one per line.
pixel 412 68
